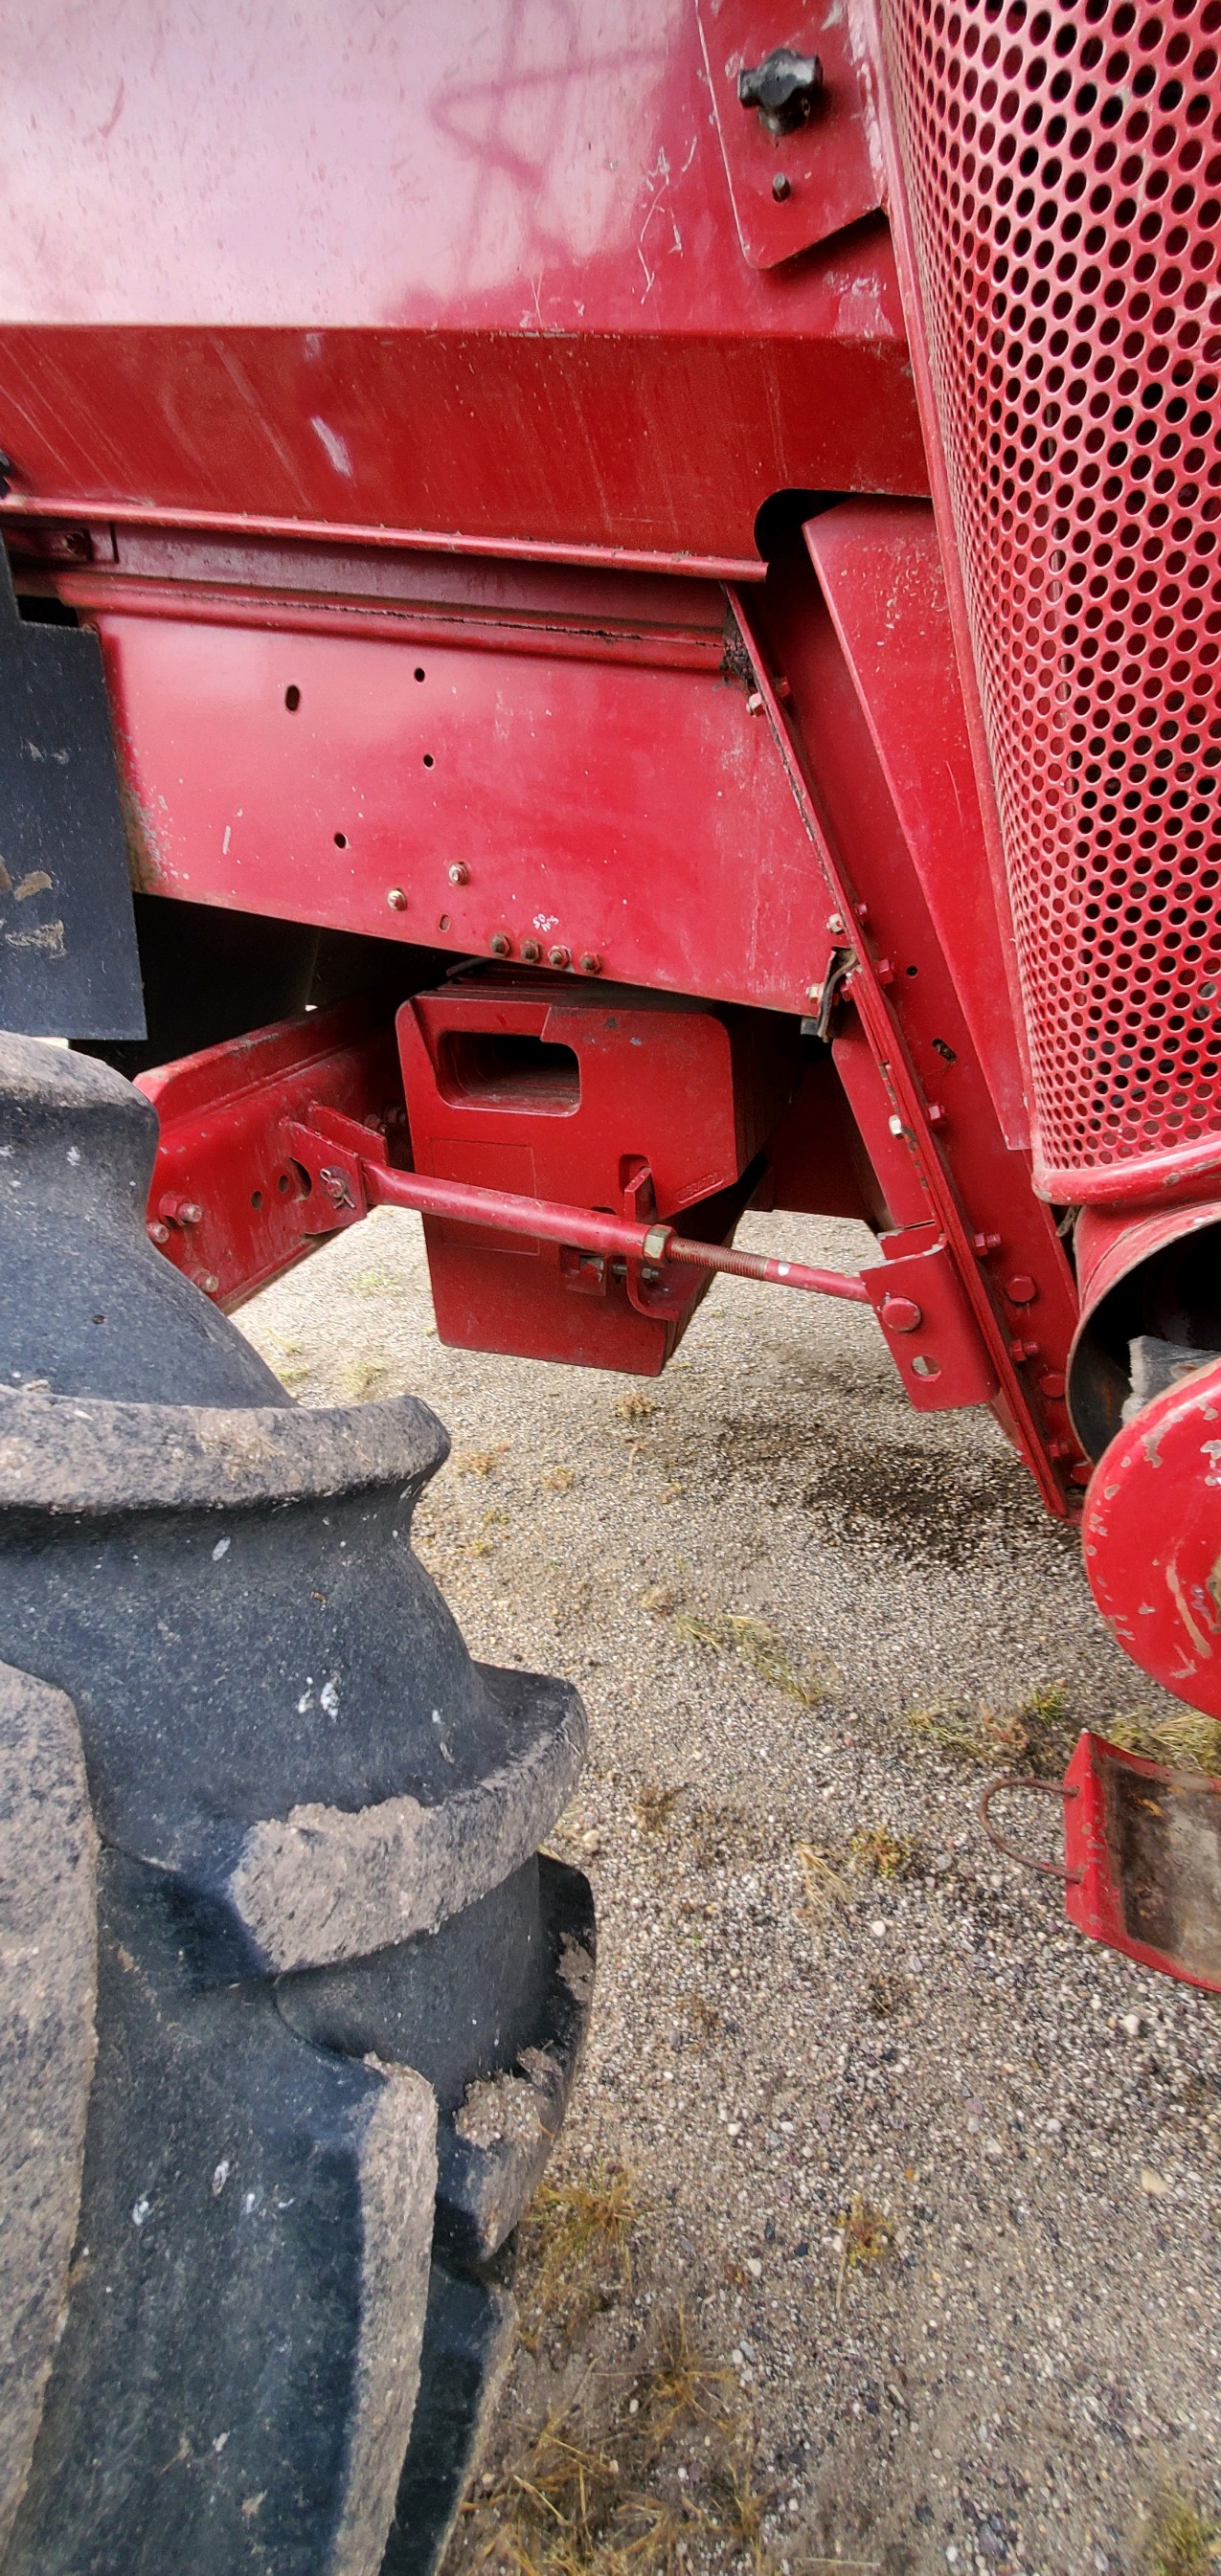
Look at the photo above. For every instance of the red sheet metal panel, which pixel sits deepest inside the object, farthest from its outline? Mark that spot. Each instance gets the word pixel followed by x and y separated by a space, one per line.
pixel 427 272
pixel 611 1100
pixel 1063 195
pixel 618 812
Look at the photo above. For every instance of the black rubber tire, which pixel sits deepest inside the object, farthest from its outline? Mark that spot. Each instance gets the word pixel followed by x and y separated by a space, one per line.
pixel 258 1802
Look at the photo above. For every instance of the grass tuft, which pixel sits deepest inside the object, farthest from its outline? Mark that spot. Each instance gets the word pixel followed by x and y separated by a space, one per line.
pixel 360 1375
pixel 636 1406
pixel 821 1886
pixel 480 1462
pixel 655 1805
pixel 584 2242
pixel 1187 1740
pixel 1038 1732
pixel 866 2238
pixel 741 1633
pixel 882 1854
pixel 594 2491
pixel 1181 2541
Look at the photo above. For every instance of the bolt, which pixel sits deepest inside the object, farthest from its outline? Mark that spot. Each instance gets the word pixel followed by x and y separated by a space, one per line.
pixel 884 970
pixel 158 1233
pixel 591 963
pixel 531 952
pixel 1060 1449
pixel 459 874
pixel 1024 1350
pixel 500 944
pixel 1051 1384
pixel 396 899
pixel 986 1242
pixel 1081 1473
pixel 784 689
pixel 754 703
pixel 208 1281
pixel 557 957
pixel 835 921
pixel 1021 1291
pixel 901 1315
pixel 936 1114
pixel 179 1211
pixel 781 187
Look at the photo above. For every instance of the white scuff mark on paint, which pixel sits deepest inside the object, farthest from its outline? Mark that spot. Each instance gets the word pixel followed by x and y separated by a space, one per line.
pixel 221 1548
pixel 1179 1598
pixel 224 847
pixel 546 921
pixel 336 447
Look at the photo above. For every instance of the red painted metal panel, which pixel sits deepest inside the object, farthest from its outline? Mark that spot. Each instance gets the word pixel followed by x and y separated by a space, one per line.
pixel 384 275
pixel 1065 238
pixel 879 567
pixel 1164 1877
pixel 224 1199
pixel 793 189
pixel 932 1335
pixel 632 815
pixel 580 1097
pixel 1152 1538
pixel 913 1075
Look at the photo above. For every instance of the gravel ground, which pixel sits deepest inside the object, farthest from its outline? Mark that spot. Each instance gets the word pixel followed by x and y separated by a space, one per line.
pixel 1022 2131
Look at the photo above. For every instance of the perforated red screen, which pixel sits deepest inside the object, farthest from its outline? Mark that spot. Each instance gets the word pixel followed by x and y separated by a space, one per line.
pixel 1064 180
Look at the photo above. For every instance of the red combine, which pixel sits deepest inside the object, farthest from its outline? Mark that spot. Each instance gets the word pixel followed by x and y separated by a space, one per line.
pixel 634 594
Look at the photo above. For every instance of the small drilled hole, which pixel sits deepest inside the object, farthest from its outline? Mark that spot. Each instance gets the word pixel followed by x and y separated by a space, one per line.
pixel 284 1184
pixel 341 840
pixel 256 1198
pixel 913 970
pixel 419 671
pixel 428 760
pixel 292 697
pixel 443 923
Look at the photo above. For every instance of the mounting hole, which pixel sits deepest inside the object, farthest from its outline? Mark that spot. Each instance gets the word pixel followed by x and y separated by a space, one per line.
pixel 341 840
pixel 428 760
pixel 292 697
pixel 419 671
pixel 913 970
pixel 922 1366
pixel 284 1184
pixel 443 923
pixel 256 1198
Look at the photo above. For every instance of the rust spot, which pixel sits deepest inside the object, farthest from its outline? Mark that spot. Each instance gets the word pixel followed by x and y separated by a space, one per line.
pixel 145 865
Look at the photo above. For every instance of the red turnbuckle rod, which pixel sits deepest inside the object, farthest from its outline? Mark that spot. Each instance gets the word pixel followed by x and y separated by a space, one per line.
pixel 585 1229
pixel 590 1230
